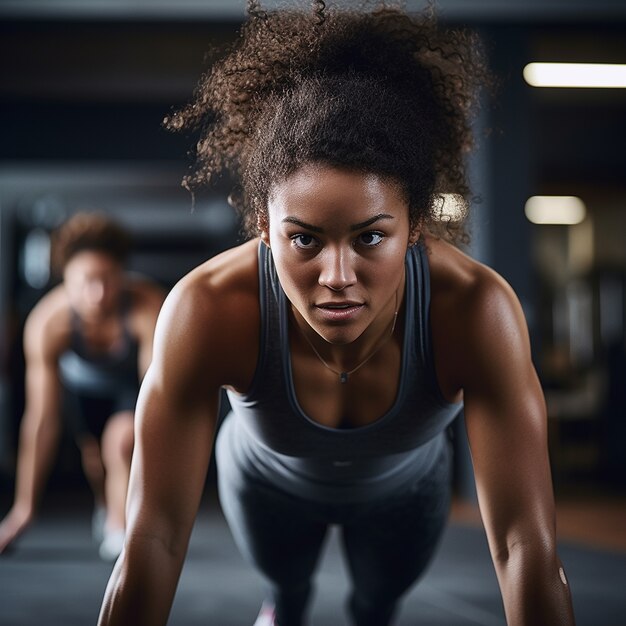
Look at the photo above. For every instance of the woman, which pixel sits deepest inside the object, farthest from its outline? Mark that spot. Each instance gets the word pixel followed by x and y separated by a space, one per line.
pixel 92 336
pixel 347 334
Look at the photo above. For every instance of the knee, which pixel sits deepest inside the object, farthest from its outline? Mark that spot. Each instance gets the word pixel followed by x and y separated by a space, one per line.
pixel 91 458
pixel 118 440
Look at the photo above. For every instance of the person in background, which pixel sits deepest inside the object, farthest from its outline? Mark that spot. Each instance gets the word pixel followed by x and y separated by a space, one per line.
pixel 87 344
pixel 347 332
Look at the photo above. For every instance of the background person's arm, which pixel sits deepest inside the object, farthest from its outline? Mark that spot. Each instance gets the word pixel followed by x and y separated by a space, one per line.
pixel 507 429
pixel 149 301
pixel 174 429
pixel 40 426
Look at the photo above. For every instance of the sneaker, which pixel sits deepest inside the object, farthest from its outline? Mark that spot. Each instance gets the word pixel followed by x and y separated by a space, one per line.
pixel 97 523
pixel 112 544
pixel 267 616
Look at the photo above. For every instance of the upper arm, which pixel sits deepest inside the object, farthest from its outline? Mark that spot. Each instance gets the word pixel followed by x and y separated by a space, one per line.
pixel 175 421
pixel 506 423
pixel 42 347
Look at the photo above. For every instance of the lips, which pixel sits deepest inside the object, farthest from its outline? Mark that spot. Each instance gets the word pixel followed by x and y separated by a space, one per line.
pixel 339 311
pixel 345 304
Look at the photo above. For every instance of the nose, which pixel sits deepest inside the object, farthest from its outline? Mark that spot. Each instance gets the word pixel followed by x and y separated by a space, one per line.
pixel 337 271
pixel 95 291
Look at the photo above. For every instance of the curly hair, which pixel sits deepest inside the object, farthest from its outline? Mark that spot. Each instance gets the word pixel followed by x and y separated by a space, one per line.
pixel 379 91
pixel 92 232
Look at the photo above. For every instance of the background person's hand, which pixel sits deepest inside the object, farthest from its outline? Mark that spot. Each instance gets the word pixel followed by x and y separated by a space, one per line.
pixel 13 525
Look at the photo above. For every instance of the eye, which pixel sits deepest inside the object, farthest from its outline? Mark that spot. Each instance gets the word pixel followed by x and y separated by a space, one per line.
pixel 371 238
pixel 304 242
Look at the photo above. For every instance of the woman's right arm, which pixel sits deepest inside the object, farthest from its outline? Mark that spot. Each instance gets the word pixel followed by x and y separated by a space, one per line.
pixel 40 426
pixel 174 428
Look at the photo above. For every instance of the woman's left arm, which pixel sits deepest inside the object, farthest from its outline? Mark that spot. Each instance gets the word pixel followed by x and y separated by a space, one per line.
pixel 506 424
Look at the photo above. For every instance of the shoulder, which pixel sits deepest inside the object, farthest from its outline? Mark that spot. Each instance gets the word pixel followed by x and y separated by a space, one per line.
pixel 210 319
pixel 48 326
pixel 476 317
pixel 223 286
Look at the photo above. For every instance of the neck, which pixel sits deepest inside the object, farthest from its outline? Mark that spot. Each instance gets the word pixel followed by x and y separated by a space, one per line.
pixel 348 357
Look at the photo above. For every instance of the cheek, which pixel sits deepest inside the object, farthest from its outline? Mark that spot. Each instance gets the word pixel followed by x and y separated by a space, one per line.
pixel 294 277
pixel 73 291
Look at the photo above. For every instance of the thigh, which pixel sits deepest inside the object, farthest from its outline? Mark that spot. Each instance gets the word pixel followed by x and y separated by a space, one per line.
pixel 118 435
pixel 277 533
pixel 87 416
pixel 389 546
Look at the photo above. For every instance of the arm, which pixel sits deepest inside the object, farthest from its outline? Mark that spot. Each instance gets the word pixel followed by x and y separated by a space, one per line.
pixel 175 420
pixel 39 430
pixel 506 424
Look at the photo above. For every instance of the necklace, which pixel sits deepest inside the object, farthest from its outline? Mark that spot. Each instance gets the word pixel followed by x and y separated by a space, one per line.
pixel 343 376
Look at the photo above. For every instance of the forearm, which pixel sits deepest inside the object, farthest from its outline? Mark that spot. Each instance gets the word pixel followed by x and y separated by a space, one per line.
pixel 142 586
pixel 534 589
pixel 37 447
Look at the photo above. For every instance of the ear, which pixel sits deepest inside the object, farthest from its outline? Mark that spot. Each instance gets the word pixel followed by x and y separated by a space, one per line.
pixel 263 228
pixel 414 235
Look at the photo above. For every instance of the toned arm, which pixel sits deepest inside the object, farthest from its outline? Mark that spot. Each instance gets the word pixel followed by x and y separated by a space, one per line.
pixel 506 425
pixel 175 421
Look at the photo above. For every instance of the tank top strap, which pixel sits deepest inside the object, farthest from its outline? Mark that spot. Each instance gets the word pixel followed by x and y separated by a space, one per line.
pixel 420 276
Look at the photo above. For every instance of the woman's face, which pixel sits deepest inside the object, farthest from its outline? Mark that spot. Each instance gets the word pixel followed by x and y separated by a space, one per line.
pixel 338 240
pixel 93 282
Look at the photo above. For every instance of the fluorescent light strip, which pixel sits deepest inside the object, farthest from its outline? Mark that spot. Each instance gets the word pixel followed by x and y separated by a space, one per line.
pixel 555 210
pixel 586 75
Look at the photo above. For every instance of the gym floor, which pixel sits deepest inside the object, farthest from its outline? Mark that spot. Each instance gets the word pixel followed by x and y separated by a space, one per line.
pixel 54 576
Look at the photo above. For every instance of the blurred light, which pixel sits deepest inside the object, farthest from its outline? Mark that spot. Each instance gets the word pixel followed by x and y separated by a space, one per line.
pixel 36 258
pixel 555 210
pixel 575 75
pixel 453 207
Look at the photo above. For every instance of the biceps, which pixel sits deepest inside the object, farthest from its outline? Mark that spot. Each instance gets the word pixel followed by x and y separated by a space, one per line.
pixel 172 451
pixel 508 439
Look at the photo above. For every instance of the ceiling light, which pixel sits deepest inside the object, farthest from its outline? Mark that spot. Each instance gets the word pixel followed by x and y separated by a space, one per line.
pixel 575 75
pixel 555 210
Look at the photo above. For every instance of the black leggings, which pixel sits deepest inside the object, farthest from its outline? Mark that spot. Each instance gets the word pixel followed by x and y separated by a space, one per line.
pixel 88 415
pixel 387 543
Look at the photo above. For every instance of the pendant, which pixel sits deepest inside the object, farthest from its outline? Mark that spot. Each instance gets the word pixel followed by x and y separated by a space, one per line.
pixel 343 377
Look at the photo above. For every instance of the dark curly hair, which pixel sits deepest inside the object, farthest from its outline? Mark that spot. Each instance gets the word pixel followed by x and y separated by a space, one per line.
pixel 378 91
pixel 88 231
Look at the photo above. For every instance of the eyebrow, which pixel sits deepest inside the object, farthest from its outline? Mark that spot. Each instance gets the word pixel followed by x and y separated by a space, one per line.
pixel 359 226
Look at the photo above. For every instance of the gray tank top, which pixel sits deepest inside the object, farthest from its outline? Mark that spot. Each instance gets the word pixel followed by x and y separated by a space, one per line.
pixel 97 374
pixel 271 436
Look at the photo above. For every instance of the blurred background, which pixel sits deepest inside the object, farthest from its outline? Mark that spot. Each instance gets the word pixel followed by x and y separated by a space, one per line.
pixel 85 84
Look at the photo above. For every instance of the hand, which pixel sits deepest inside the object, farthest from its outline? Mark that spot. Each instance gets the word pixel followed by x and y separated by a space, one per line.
pixel 13 525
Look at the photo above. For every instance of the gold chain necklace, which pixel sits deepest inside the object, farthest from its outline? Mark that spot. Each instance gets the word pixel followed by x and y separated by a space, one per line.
pixel 343 376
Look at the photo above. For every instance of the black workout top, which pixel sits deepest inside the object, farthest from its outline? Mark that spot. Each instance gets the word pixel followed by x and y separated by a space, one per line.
pixel 274 438
pixel 101 374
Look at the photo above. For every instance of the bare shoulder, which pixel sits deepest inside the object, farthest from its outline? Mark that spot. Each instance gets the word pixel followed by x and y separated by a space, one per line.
pixel 457 280
pixel 47 329
pixel 210 319
pixel 476 317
